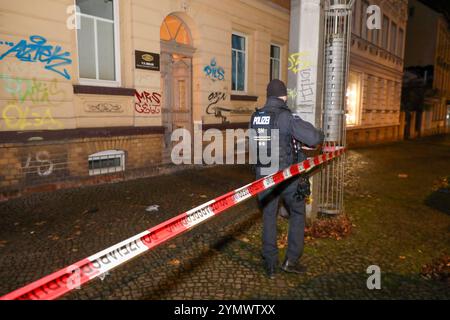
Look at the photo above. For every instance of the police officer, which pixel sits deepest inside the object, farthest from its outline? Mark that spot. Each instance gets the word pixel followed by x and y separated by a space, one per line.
pixel 292 192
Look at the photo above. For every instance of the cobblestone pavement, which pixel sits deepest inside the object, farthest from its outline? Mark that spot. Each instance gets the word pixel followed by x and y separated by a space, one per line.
pixel 394 229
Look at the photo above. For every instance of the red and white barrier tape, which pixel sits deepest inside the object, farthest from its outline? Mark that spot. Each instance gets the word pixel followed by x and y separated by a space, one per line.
pixel 65 280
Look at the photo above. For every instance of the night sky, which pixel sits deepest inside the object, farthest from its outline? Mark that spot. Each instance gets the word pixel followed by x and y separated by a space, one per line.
pixel 442 6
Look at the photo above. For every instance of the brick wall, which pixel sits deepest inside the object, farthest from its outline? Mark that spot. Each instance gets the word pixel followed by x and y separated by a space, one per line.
pixel 43 166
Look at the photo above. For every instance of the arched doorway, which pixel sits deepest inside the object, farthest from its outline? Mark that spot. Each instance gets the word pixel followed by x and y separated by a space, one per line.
pixel 176 78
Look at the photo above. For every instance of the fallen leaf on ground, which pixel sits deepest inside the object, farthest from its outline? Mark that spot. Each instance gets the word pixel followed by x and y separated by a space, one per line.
pixel 439 269
pixel 335 228
pixel 175 262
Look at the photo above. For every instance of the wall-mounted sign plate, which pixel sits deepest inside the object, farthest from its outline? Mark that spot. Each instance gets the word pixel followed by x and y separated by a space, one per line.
pixel 147 60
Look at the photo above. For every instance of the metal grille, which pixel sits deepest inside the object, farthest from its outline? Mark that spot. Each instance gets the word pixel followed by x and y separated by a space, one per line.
pixel 338 18
pixel 106 162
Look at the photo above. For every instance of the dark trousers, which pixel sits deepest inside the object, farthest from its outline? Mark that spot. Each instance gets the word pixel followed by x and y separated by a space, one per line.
pixel 269 201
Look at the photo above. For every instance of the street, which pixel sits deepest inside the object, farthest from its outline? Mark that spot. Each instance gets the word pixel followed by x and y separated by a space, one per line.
pixel 398 225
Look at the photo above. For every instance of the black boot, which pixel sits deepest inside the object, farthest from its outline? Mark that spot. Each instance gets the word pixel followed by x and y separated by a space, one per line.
pixel 271 270
pixel 290 267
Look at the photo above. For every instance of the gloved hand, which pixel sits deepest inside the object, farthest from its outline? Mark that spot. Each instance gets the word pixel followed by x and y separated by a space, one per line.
pixel 303 188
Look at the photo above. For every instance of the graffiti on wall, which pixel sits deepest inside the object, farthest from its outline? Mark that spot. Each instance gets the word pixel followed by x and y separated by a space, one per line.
pixel 305 94
pixel 148 103
pixel 214 72
pixel 18 117
pixel 45 163
pixel 39 163
pixel 214 98
pixel 38 92
pixel 36 49
pixel 299 61
pixel 42 94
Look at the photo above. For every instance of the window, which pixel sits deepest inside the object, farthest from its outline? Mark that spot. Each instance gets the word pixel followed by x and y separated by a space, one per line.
pixel 385 32
pixel 364 7
pixel 106 162
pixel 97 38
pixel 393 47
pixel 354 16
pixel 374 36
pixel 239 63
pixel 275 62
pixel 173 29
pixel 353 99
pixel 401 36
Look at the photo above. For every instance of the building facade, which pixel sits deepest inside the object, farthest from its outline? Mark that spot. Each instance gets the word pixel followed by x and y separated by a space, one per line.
pixel 427 66
pixel 94 96
pixel 376 72
pixel 92 90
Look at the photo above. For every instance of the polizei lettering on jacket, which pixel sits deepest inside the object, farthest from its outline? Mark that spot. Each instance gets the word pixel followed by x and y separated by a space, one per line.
pixel 261 120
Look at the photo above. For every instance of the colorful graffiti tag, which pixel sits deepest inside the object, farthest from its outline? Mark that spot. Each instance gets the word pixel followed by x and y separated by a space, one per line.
pixel 214 72
pixel 299 61
pixel 38 92
pixel 36 49
pixel 148 103
pixel 17 117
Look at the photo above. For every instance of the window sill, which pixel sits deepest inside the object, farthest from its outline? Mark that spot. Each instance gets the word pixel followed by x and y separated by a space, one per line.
pixel 238 97
pixel 83 89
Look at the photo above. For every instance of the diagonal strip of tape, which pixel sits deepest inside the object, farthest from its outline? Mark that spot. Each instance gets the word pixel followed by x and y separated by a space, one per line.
pixel 65 280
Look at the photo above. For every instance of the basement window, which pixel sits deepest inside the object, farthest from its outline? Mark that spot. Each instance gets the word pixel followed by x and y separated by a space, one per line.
pixel 110 161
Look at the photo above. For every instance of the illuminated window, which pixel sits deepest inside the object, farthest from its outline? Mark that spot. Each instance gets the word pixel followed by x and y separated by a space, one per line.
pixel 173 29
pixel 354 99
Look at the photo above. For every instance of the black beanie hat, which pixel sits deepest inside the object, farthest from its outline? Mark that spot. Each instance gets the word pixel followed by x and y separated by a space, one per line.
pixel 276 88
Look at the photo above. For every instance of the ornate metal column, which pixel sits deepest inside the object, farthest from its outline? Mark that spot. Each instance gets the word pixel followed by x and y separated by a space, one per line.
pixel 338 18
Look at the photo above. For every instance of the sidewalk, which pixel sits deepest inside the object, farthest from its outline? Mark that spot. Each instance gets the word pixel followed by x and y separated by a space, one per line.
pixel 395 230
